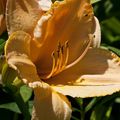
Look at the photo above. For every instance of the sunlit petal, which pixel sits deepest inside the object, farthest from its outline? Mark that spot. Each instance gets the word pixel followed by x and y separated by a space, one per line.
pixel 69 21
pixel 17 50
pixel 49 105
pixel 97 34
pixel 22 15
pixel 97 74
pixel 45 4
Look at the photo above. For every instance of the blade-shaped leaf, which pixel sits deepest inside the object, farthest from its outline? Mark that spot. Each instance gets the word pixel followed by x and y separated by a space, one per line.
pixel 26 93
pixel 11 106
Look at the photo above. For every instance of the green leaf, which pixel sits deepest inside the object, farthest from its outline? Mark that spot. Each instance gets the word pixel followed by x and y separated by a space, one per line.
pixel 76 110
pixel 8 75
pixel 79 101
pixel 115 50
pixel 74 118
pixel 112 24
pixel 2 44
pixel 111 48
pixel 30 103
pixel 2 62
pixel 91 104
pixel 117 100
pixel 102 112
pixel 95 1
pixel 108 113
pixel 24 107
pixel 25 93
pixel 99 113
pixel 17 82
pixel 11 106
pixel 103 108
pixel 2 41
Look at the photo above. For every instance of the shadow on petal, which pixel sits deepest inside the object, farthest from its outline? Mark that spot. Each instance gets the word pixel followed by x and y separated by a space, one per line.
pixel 97 74
pixel 2 16
pixel 49 105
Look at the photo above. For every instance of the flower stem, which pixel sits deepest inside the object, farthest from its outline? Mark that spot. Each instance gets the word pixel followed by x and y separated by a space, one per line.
pixel 82 110
pixel 22 106
pixel 82 115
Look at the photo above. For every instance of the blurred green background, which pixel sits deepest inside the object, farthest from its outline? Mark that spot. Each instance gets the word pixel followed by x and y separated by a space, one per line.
pixel 108 13
pixel 100 108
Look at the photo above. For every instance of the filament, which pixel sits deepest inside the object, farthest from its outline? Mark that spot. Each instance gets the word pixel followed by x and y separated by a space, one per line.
pixel 59 62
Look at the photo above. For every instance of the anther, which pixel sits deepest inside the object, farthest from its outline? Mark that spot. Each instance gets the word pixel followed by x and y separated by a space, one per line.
pixel 66 44
pixel 59 59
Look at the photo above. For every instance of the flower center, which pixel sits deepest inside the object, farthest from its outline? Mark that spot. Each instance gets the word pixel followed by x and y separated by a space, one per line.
pixel 61 55
pixel 59 60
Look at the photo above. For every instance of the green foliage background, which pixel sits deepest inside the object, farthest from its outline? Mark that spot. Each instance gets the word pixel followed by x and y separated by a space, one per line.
pixel 16 102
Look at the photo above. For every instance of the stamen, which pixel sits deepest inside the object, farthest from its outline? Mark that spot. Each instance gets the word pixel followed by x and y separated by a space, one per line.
pixel 53 67
pixel 67 55
pixel 88 43
pixel 62 55
pixel 58 58
pixel 59 61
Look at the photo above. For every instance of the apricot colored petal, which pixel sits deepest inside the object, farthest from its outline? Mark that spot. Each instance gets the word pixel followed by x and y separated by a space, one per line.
pixel 2 24
pixel 17 51
pixel 70 21
pixel 97 74
pixel 45 4
pixel 22 15
pixel 97 34
pixel 2 16
pixel 49 105
pixel 2 6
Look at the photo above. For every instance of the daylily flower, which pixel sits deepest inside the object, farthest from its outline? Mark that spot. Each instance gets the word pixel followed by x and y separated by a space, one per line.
pixel 53 54
pixel 2 16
